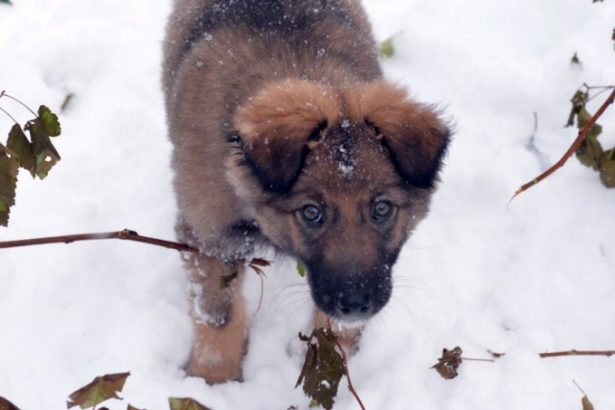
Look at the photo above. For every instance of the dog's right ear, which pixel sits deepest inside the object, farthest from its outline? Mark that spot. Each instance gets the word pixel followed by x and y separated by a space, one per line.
pixel 278 127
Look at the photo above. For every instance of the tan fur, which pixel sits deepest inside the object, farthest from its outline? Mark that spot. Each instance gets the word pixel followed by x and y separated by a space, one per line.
pixel 274 105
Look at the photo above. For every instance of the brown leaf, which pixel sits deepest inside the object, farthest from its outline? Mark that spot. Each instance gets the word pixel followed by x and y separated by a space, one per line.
pixel 133 408
pixel 100 389
pixel 186 404
pixel 323 367
pixel 260 262
pixel 449 363
pixel 7 405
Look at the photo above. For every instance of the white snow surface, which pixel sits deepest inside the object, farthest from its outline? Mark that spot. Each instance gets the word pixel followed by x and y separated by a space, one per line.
pixel 533 277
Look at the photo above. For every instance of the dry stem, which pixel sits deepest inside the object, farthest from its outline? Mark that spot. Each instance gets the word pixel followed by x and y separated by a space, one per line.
pixel 573 148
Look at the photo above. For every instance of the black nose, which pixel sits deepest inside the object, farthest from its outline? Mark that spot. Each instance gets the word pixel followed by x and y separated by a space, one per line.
pixel 354 303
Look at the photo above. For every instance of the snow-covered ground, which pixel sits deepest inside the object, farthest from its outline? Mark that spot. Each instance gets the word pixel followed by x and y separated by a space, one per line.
pixel 537 276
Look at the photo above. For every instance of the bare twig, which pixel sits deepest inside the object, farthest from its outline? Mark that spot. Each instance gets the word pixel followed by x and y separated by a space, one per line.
pixel 124 235
pixel 467 359
pixel 573 148
pixel 573 352
pixel 4 94
pixel 347 373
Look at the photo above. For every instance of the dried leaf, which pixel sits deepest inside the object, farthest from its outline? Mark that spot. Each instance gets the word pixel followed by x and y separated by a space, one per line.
pixel 45 153
pixel 7 405
pixel 449 363
pixel 260 262
pixel 133 408
pixel 607 169
pixel 186 404
pixel 21 147
pixel 8 182
pixel 323 367
pixel 99 390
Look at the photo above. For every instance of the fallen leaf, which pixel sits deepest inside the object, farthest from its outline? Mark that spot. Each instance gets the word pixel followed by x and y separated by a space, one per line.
pixel 186 404
pixel 99 390
pixel 21 147
pixel 449 363
pixel 323 367
pixel 133 408
pixel 587 405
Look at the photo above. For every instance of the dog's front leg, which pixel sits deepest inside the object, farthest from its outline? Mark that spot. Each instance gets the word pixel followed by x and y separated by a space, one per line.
pixel 218 313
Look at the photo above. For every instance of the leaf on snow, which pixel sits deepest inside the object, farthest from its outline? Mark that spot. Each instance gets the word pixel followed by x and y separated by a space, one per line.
pixel 100 389
pixel 449 363
pixel 132 408
pixel 8 182
pixel 186 404
pixel 7 405
pixel 323 367
pixel 607 169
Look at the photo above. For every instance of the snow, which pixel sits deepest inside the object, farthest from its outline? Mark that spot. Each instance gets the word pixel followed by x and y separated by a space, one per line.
pixel 536 276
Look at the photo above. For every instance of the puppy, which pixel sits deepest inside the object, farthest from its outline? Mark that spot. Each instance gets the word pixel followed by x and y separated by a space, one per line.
pixel 286 135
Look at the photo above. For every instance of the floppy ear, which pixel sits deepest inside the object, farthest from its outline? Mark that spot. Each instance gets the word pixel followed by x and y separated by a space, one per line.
pixel 414 135
pixel 278 127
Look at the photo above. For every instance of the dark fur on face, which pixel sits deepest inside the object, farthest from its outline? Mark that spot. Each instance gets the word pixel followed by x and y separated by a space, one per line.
pixel 361 162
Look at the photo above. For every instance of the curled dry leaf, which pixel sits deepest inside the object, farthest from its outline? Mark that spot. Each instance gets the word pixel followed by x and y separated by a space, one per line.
pixel 99 390
pixel 449 363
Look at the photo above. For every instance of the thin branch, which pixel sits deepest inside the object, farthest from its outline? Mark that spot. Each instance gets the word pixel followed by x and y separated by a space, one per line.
pixel 9 115
pixel 467 359
pixel 4 94
pixel 573 352
pixel 573 148
pixel 126 234
pixel 347 373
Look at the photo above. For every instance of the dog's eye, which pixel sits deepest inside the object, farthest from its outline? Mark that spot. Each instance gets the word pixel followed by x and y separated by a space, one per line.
pixel 382 210
pixel 312 215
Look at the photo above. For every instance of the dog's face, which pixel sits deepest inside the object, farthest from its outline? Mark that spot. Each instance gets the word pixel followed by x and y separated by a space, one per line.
pixel 339 179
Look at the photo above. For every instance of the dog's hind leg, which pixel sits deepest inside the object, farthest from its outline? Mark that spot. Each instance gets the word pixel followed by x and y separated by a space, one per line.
pixel 218 314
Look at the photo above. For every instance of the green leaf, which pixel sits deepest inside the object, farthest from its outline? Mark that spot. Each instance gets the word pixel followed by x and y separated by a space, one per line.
pixel 301 269
pixel 186 404
pixel 21 147
pixel 49 121
pixel 323 367
pixel 8 183
pixel 7 405
pixel 44 152
pixel 100 389
pixel 387 48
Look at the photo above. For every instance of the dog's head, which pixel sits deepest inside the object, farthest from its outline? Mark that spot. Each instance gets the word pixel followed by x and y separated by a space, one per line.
pixel 339 178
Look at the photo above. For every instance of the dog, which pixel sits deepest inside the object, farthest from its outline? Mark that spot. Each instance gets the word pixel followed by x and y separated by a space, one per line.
pixel 286 135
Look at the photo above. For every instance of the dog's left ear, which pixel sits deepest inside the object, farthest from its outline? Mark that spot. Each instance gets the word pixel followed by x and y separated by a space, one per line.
pixel 413 133
pixel 278 127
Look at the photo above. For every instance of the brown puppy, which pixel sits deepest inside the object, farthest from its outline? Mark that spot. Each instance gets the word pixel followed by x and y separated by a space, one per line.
pixel 286 135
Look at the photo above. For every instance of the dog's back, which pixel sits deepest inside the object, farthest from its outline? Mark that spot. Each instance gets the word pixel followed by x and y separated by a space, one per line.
pixel 218 54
